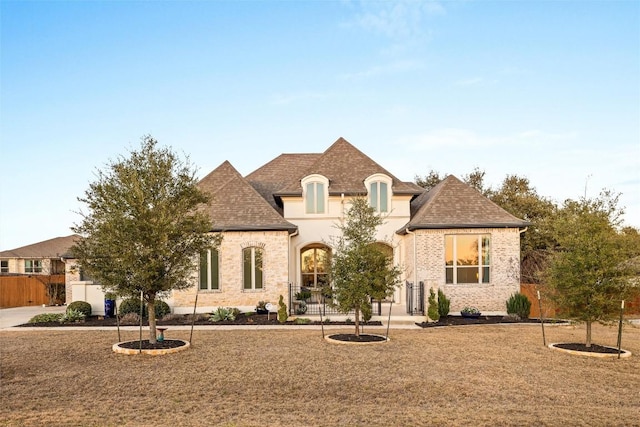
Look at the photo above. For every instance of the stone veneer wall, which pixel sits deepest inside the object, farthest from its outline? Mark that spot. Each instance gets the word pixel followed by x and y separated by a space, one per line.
pixel 505 268
pixel 231 293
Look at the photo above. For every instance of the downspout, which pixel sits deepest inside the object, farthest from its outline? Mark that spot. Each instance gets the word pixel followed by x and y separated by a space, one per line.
pixel 289 255
pixel 415 255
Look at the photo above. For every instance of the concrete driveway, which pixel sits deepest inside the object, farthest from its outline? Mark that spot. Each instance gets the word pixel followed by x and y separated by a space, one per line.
pixel 18 315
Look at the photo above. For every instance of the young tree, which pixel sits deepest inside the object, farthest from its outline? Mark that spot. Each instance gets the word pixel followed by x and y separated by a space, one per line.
pixel 589 273
pixel 144 229
pixel 360 270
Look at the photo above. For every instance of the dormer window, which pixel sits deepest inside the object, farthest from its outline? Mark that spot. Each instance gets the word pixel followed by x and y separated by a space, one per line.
pixel 315 194
pixel 379 187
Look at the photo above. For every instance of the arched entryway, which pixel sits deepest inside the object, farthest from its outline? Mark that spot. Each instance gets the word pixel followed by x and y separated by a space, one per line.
pixel 314 265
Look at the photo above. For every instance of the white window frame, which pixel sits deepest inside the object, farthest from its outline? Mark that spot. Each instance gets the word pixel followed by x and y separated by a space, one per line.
pixel 211 279
pixel 36 266
pixel 313 201
pixel 375 181
pixel 253 270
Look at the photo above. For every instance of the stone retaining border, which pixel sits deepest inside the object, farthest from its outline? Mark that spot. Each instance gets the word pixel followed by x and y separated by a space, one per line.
pixel 623 353
pixel 157 352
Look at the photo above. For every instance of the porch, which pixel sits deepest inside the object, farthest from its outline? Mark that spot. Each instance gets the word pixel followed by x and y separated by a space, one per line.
pixel 311 302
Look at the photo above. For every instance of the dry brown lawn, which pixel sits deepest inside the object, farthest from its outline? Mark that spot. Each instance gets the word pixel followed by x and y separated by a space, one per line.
pixel 488 375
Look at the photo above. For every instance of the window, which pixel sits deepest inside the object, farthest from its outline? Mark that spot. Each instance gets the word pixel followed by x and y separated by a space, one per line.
pixel 252 276
pixel 467 258
pixel 315 193
pixel 209 270
pixel 4 266
pixel 379 187
pixel 314 265
pixel 314 197
pixel 379 196
pixel 32 266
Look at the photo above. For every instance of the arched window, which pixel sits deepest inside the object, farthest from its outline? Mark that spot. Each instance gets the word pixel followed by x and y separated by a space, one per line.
pixel 315 194
pixel 379 188
pixel 314 265
pixel 252 259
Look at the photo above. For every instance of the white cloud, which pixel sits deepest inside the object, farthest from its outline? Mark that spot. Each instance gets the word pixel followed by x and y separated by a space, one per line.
pixel 397 19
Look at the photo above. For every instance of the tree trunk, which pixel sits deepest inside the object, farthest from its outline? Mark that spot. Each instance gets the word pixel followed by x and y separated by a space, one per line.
pixel 357 321
pixel 588 344
pixel 151 309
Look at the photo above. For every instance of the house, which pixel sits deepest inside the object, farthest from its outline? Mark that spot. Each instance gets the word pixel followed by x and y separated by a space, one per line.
pixel 277 224
pixel 44 262
pixel 278 221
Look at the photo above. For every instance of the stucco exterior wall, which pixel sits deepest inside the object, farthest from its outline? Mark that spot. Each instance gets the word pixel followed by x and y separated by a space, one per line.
pixel 231 292
pixel 505 268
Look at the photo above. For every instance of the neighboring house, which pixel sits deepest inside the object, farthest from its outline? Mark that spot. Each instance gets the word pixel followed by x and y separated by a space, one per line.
pixel 277 224
pixel 45 261
pixel 42 258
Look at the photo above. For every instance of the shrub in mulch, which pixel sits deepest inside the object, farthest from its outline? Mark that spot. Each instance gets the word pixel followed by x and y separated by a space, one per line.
pixel 176 320
pixel 482 320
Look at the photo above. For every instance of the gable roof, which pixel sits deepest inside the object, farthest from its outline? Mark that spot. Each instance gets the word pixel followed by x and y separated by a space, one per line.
pixel 53 248
pixel 346 167
pixel 454 204
pixel 236 205
pixel 279 172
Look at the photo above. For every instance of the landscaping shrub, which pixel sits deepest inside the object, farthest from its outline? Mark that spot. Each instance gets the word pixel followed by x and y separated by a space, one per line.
pixel 46 317
pixel 433 310
pixel 282 310
pixel 169 317
pixel 520 305
pixel 223 313
pixel 301 307
pixel 302 321
pixel 443 304
pixel 161 309
pixel 130 318
pixel 72 315
pixel 131 305
pixel 81 306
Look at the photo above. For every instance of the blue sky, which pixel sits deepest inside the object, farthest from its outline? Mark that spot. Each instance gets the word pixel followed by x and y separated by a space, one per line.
pixel 549 90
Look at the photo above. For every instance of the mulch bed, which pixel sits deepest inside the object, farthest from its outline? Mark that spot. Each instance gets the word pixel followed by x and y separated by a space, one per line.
pixel 186 320
pixel 595 348
pixel 482 320
pixel 357 338
pixel 146 345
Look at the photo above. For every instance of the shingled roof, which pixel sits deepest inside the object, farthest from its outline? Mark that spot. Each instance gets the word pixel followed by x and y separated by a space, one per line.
pixel 346 167
pixel 454 204
pixel 236 205
pixel 52 248
pixel 279 172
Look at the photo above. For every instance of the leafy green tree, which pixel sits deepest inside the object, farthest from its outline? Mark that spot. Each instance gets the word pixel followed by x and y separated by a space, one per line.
pixel 360 270
pixel 589 273
pixel 144 227
pixel 519 198
pixel 474 179
pixel 428 181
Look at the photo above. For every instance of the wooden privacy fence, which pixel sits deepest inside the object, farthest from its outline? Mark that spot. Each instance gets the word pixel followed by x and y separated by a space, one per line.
pixel 21 291
pixel 550 311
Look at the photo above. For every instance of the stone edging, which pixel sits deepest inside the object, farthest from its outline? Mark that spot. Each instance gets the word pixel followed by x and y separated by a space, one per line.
pixel 157 352
pixel 334 341
pixel 623 353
